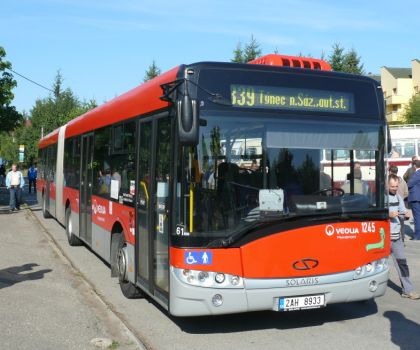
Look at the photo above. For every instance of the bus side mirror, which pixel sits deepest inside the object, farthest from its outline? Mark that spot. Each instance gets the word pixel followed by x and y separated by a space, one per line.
pixel 188 121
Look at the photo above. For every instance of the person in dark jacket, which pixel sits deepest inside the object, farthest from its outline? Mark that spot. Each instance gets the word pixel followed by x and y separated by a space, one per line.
pixel 32 176
pixel 411 170
pixel 414 198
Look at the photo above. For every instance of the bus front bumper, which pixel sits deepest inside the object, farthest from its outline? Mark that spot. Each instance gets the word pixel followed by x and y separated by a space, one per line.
pixel 262 294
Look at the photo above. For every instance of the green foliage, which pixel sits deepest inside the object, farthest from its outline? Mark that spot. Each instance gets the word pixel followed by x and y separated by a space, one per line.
pixel 250 52
pixel 51 112
pixel 412 112
pixel 238 56
pixel 9 117
pixel 352 64
pixel 47 115
pixel 151 72
pixel 9 148
pixel 336 59
pixel 349 62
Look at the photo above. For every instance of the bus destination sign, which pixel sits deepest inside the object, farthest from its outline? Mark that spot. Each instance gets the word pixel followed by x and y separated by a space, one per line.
pixel 253 96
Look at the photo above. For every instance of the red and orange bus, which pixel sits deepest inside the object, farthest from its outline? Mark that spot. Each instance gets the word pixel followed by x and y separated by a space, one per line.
pixel 207 188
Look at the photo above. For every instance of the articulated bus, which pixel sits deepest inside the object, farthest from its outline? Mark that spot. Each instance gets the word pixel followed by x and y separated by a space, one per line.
pixel 212 188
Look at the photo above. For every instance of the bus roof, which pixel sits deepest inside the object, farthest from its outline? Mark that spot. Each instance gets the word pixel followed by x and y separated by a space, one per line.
pixel 49 139
pixel 140 100
pixel 120 108
pixel 146 97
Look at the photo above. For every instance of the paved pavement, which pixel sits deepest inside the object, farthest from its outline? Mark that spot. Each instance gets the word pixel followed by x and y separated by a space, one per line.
pixel 44 302
pixel 389 322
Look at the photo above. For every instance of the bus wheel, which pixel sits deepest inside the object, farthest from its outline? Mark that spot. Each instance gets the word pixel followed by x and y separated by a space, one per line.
pixel 128 289
pixel 45 213
pixel 73 240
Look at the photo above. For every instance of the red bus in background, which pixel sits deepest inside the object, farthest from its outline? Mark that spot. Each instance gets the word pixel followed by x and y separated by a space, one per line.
pixel 212 188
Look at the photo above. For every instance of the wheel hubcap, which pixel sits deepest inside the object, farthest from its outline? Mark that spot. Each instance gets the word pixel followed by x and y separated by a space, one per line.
pixel 69 226
pixel 122 264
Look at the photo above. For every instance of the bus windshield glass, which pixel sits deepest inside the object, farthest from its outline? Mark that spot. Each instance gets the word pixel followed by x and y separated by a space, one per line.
pixel 249 169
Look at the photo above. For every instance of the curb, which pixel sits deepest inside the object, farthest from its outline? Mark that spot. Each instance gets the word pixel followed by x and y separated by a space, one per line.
pixel 56 246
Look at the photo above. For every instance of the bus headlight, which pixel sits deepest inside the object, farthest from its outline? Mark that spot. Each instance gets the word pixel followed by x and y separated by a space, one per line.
pixel 219 277
pixel 202 276
pixel 208 279
pixel 372 268
pixel 235 280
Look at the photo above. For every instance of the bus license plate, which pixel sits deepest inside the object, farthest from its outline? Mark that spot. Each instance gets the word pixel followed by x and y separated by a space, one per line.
pixel 302 302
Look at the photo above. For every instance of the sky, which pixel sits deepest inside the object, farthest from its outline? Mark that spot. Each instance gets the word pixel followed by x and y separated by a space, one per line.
pixel 103 47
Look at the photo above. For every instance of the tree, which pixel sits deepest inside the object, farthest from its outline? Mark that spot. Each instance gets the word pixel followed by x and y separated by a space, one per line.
pixel 348 62
pixel 151 72
pixel 352 64
pixel 250 52
pixel 47 115
pixel 412 112
pixel 51 112
pixel 336 59
pixel 238 56
pixel 9 117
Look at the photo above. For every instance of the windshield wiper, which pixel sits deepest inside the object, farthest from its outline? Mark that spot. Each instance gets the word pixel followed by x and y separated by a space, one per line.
pixel 215 97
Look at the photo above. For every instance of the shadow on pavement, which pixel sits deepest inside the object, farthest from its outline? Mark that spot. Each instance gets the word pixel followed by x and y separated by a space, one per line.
pixel 15 274
pixel 275 320
pixel 394 286
pixel 404 332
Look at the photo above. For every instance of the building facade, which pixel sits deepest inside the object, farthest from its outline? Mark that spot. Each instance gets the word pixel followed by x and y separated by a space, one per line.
pixel 399 86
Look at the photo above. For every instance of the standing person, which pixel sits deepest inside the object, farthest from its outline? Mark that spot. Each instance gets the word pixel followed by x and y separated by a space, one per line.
pixel 15 183
pixel 411 170
pixel 403 193
pixel 396 209
pixel 414 198
pixel 32 176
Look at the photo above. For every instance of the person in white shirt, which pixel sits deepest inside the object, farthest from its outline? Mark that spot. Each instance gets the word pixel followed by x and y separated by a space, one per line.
pixel 14 183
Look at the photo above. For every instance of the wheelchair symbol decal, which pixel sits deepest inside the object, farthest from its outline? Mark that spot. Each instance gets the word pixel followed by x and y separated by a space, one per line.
pixel 198 258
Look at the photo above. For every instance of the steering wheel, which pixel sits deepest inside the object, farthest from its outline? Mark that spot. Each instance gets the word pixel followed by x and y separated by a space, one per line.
pixel 340 192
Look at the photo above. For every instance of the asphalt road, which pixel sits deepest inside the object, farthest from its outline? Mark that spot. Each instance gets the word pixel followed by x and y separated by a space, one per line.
pixel 44 302
pixel 389 322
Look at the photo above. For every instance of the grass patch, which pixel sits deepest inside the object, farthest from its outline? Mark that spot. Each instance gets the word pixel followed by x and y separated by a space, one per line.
pixel 114 345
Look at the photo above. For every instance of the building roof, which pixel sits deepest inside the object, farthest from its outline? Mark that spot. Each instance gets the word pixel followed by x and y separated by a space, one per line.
pixel 377 77
pixel 417 60
pixel 400 73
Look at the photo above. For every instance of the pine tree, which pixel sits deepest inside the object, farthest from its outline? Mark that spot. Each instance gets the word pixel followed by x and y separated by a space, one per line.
pixel 352 64
pixel 238 55
pixel 151 72
pixel 58 82
pixel 336 59
pixel 252 50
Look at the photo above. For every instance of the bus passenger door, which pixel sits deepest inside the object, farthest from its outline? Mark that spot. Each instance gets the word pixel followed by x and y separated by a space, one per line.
pixel 143 219
pixel 86 189
pixel 153 206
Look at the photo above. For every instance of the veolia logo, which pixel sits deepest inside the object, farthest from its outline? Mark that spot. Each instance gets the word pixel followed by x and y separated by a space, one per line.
pixel 97 208
pixel 329 230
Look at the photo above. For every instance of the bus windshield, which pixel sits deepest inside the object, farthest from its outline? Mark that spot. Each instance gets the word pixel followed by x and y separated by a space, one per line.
pixel 248 169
